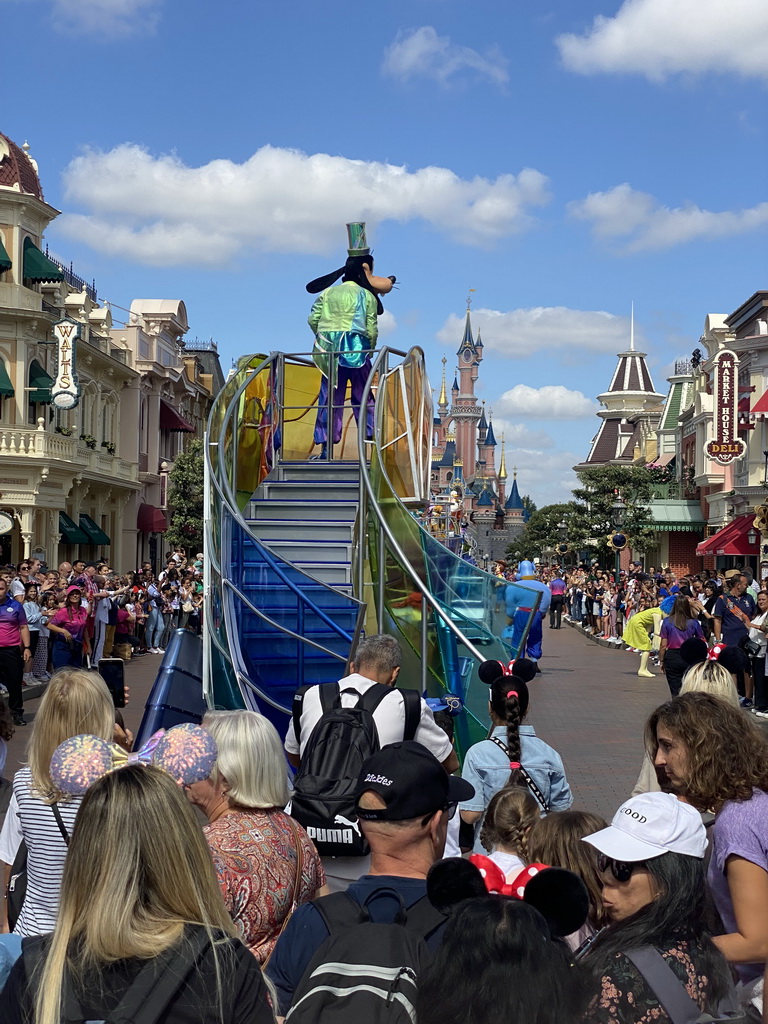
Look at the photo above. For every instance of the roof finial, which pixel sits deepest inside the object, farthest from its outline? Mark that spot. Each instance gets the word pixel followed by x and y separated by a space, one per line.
pixel 503 465
pixel 469 298
pixel 632 328
pixel 514 472
pixel 443 400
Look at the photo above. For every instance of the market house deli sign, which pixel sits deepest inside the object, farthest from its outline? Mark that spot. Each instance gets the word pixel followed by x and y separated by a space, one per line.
pixel 726 446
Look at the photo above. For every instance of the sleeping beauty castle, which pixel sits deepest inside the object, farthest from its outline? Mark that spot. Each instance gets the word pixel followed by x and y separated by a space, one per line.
pixel 464 457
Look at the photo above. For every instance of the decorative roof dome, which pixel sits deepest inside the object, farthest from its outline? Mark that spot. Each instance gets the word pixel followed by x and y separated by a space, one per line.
pixel 17 170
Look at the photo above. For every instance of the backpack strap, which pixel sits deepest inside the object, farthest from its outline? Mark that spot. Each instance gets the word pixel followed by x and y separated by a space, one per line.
pixel 424 919
pixel 667 987
pixel 412 707
pixel 60 823
pixel 545 804
pixel 296 709
pixel 339 910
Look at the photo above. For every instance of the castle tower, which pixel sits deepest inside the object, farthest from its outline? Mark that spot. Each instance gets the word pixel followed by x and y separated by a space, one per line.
pixel 629 402
pixel 502 473
pixel 442 402
pixel 465 411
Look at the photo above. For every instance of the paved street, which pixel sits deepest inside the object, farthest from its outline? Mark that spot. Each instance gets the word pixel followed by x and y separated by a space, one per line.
pixel 588 704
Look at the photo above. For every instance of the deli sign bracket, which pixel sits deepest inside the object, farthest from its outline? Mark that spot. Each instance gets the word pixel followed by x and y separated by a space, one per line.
pixel 65 391
pixel 726 446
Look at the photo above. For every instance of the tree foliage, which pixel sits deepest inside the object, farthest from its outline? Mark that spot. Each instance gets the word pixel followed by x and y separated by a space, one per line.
pixel 543 531
pixel 529 504
pixel 185 498
pixel 595 499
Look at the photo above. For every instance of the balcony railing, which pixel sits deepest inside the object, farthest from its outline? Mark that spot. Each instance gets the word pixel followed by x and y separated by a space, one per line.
pixel 73 280
pixel 43 444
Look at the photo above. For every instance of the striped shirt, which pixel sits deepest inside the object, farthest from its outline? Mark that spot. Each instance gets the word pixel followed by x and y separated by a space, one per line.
pixel 46 853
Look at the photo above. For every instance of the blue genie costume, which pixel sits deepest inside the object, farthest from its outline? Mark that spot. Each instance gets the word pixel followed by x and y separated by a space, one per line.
pixel 344 321
pixel 519 611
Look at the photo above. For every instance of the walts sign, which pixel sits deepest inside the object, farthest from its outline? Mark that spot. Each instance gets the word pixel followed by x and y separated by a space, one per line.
pixel 725 447
pixel 65 390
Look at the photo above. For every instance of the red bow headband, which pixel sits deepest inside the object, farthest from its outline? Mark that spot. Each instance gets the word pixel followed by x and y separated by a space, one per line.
pixel 495 879
pixel 715 651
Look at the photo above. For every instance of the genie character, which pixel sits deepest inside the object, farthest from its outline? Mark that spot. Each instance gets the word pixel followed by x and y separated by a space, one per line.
pixel 519 611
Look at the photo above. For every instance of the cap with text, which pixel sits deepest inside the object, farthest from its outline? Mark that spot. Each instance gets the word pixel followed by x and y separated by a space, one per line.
pixel 411 782
pixel 649 825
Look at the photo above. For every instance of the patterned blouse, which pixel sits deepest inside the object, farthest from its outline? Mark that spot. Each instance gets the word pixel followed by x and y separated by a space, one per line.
pixel 254 854
pixel 625 996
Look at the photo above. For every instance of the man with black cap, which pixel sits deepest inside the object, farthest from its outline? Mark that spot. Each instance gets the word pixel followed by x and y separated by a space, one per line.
pixel 404 802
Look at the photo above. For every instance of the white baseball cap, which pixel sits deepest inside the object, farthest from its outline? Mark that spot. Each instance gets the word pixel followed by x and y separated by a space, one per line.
pixel 649 825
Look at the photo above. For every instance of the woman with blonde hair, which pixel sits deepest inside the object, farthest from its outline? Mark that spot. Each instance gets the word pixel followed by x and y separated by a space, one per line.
pixel 265 861
pixel 557 840
pixel 74 702
pixel 139 905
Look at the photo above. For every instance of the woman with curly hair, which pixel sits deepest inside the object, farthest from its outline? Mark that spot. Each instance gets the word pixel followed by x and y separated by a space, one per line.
pixel 716 758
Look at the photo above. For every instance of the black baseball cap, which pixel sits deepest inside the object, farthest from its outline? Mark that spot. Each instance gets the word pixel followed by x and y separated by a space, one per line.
pixel 411 782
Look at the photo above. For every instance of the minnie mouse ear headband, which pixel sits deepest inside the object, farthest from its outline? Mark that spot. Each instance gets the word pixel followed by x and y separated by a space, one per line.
pixel 694 650
pixel 560 896
pixel 715 651
pixel 186 752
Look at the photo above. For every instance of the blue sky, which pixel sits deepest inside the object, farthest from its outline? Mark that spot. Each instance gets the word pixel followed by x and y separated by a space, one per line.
pixel 563 158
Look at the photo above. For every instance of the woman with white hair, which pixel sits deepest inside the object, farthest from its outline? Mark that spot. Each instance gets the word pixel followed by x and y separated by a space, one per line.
pixel 265 861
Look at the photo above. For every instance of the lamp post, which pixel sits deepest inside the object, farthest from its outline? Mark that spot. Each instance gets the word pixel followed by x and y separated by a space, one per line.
pixel 618 511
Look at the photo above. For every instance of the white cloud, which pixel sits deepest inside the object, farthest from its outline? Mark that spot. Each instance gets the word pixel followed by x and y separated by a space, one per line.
pixel 542 329
pixel 105 18
pixel 643 223
pixel 547 476
pixel 552 402
pixel 158 210
pixel 422 53
pixel 657 38
pixel 517 435
pixel 387 324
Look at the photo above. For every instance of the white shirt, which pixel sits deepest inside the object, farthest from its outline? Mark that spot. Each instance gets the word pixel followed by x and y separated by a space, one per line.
pixel 389 717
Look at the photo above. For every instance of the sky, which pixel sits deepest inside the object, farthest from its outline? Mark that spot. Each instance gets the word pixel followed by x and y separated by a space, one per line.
pixel 563 158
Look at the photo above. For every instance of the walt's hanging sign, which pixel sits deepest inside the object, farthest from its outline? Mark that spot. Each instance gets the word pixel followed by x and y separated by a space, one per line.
pixel 65 391
pixel 725 447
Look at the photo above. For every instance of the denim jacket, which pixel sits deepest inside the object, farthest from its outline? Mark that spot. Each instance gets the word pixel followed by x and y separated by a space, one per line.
pixel 487 768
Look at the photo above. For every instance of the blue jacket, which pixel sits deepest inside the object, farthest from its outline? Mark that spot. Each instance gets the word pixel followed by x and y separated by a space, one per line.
pixel 487 768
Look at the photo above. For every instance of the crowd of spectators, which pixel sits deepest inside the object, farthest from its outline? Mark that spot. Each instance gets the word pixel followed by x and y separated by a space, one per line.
pixel 552 915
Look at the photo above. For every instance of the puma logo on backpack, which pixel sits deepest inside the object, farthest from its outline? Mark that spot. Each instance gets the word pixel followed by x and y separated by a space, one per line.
pixel 338 746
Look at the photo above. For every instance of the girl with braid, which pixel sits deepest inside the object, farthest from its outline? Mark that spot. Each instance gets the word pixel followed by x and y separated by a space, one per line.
pixel 513 755
pixel 511 815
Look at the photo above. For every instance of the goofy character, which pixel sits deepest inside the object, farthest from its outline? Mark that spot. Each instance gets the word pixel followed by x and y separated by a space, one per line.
pixel 344 320
pixel 519 611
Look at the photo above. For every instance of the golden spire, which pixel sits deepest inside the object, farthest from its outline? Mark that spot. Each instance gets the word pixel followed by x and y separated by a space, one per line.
pixel 443 400
pixel 503 466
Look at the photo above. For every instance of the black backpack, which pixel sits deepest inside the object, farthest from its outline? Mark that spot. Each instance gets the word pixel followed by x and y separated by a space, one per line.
pixel 344 738
pixel 365 971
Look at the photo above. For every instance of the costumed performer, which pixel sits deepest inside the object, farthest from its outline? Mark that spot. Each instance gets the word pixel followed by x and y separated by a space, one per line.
pixel 344 320
pixel 637 636
pixel 519 607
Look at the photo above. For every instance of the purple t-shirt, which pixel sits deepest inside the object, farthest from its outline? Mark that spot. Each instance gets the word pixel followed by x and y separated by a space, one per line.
pixel 741 830
pixel 12 618
pixel 676 637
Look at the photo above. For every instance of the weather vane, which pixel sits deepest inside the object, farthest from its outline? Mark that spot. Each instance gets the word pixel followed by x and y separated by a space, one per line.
pixel 469 298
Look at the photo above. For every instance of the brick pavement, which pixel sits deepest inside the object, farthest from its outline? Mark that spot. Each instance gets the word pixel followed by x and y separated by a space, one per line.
pixel 587 703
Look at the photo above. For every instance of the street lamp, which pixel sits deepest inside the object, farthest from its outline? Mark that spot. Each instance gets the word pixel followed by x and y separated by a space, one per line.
pixel 752 537
pixel 618 510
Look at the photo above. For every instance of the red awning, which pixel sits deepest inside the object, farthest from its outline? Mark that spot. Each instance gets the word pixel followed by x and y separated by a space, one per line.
pixel 761 405
pixel 170 419
pixel 731 540
pixel 151 519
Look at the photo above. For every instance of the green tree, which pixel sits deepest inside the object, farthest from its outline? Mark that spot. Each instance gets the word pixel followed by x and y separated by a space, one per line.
pixel 545 530
pixel 529 504
pixel 185 499
pixel 595 499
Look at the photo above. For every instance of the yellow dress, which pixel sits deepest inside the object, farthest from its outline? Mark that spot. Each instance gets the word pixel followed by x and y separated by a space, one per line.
pixel 639 626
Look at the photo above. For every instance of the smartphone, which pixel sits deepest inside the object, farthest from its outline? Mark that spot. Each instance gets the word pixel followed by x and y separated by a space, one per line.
pixel 112 671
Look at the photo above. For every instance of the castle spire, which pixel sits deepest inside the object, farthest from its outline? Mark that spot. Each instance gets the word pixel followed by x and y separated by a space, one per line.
pixel 503 466
pixel 443 400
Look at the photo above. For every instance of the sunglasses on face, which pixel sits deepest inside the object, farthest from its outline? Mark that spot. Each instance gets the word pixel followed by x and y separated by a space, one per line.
pixel 621 870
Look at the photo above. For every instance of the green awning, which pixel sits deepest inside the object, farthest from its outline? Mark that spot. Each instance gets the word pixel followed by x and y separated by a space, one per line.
pixel 70 531
pixel 6 388
pixel 37 266
pixel 5 259
pixel 673 515
pixel 95 533
pixel 39 383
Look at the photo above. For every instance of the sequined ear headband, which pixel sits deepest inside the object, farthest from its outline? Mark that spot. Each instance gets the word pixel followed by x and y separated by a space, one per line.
pixel 186 752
